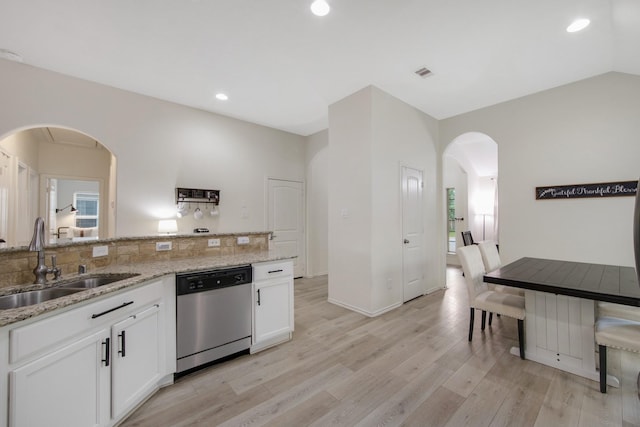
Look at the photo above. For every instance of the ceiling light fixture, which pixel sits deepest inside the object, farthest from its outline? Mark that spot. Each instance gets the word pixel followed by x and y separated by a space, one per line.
pixel 578 24
pixel 320 7
pixel 221 96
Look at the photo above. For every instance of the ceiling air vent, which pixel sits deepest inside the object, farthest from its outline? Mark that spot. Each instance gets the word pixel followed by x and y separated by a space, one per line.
pixel 423 72
pixel 11 56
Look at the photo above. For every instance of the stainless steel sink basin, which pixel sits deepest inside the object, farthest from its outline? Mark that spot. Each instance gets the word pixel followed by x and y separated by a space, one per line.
pixel 95 281
pixel 24 299
pixel 33 297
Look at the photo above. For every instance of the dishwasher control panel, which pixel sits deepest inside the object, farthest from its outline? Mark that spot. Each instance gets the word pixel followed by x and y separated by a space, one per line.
pixel 201 281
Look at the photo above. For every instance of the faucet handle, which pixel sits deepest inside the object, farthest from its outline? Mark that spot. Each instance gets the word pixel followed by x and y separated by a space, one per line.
pixel 57 272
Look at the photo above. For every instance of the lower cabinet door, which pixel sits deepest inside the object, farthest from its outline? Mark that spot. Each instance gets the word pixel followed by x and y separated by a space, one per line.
pixel 69 387
pixel 136 363
pixel 273 308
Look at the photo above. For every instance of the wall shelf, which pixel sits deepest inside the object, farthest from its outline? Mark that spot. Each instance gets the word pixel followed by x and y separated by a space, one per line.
pixel 195 195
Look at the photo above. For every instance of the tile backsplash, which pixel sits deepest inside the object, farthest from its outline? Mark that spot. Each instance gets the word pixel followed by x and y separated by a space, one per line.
pixel 16 265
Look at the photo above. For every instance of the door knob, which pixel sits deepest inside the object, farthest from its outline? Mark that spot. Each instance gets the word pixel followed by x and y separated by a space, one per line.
pixel 406 241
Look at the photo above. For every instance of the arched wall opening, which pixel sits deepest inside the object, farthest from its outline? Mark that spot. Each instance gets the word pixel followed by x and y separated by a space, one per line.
pixel 470 182
pixel 48 170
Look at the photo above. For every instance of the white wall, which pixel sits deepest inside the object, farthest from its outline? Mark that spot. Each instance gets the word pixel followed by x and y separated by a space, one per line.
pixel 349 201
pixel 402 136
pixel 585 132
pixel 159 146
pixel 23 147
pixel 317 164
pixel 371 135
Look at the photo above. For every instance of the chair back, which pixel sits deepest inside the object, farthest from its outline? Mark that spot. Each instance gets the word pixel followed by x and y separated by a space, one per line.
pixel 490 255
pixel 467 238
pixel 473 267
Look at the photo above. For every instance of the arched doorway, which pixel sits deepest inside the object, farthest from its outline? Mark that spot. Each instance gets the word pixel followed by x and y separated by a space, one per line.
pixel 470 179
pixel 45 169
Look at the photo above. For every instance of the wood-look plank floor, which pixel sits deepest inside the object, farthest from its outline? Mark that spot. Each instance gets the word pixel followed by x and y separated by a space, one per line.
pixel 410 367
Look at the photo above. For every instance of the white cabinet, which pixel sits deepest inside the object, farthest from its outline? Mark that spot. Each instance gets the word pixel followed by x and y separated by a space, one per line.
pixel 69 387
pixel 91 365
pixel 272 303
pixel 136 366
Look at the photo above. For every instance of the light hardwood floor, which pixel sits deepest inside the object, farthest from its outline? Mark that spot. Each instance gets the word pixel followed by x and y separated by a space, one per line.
pixel 410 367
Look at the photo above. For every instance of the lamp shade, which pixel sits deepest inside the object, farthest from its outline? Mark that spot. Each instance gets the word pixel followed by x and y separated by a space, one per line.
pixel 167 226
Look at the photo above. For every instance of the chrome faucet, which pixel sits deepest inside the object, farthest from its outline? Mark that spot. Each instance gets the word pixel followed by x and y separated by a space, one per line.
pixel 37 244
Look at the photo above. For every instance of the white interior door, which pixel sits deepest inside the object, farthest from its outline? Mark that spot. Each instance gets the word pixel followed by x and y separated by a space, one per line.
pixel 413 234
pixel 23 219
pixel 463 213
pixel 5 186
pixel 286 220
pixel 51 188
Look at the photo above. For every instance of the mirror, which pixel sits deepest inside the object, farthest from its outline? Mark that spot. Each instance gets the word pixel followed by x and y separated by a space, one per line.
pixel 45 169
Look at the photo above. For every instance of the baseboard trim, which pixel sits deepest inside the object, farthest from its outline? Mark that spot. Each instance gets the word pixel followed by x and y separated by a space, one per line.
pixel 311 276
pixel 364 312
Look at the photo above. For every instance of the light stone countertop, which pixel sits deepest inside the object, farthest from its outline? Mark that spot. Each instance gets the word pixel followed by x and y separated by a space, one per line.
pixel 145 272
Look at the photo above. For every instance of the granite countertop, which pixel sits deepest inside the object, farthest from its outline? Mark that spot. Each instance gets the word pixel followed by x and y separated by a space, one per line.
pixel 144 272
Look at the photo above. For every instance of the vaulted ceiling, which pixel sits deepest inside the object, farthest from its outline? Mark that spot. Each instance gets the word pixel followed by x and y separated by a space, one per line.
pixel 282 67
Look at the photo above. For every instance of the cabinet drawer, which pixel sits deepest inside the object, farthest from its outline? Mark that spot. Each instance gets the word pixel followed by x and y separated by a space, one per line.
pixel 50 333
pixel 271 270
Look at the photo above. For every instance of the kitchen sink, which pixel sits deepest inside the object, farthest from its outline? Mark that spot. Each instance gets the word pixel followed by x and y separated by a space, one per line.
pixel 95 281
pixel 23 299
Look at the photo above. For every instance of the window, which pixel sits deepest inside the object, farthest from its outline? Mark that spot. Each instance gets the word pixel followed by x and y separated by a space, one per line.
pixel 88 206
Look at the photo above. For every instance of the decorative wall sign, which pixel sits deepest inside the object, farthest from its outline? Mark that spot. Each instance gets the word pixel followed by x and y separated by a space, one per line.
pixel 576 191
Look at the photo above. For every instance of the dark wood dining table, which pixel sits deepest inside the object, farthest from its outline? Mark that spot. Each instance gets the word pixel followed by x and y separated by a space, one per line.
pixel 597 282
pixel 560 309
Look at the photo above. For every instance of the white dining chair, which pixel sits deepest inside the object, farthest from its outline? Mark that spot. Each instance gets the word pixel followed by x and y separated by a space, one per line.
pixel 623 334
pixel 618 326
pixel 610 309
pixel 482 298
pixel 491 260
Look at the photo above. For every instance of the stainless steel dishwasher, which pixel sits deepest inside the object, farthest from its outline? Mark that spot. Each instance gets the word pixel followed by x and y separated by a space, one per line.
pixel 213 315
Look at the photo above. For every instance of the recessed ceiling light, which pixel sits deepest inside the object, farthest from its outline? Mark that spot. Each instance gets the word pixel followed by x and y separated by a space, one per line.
pixel 221 96
pixel 11 56
pixel 578 24
pixel 320 7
